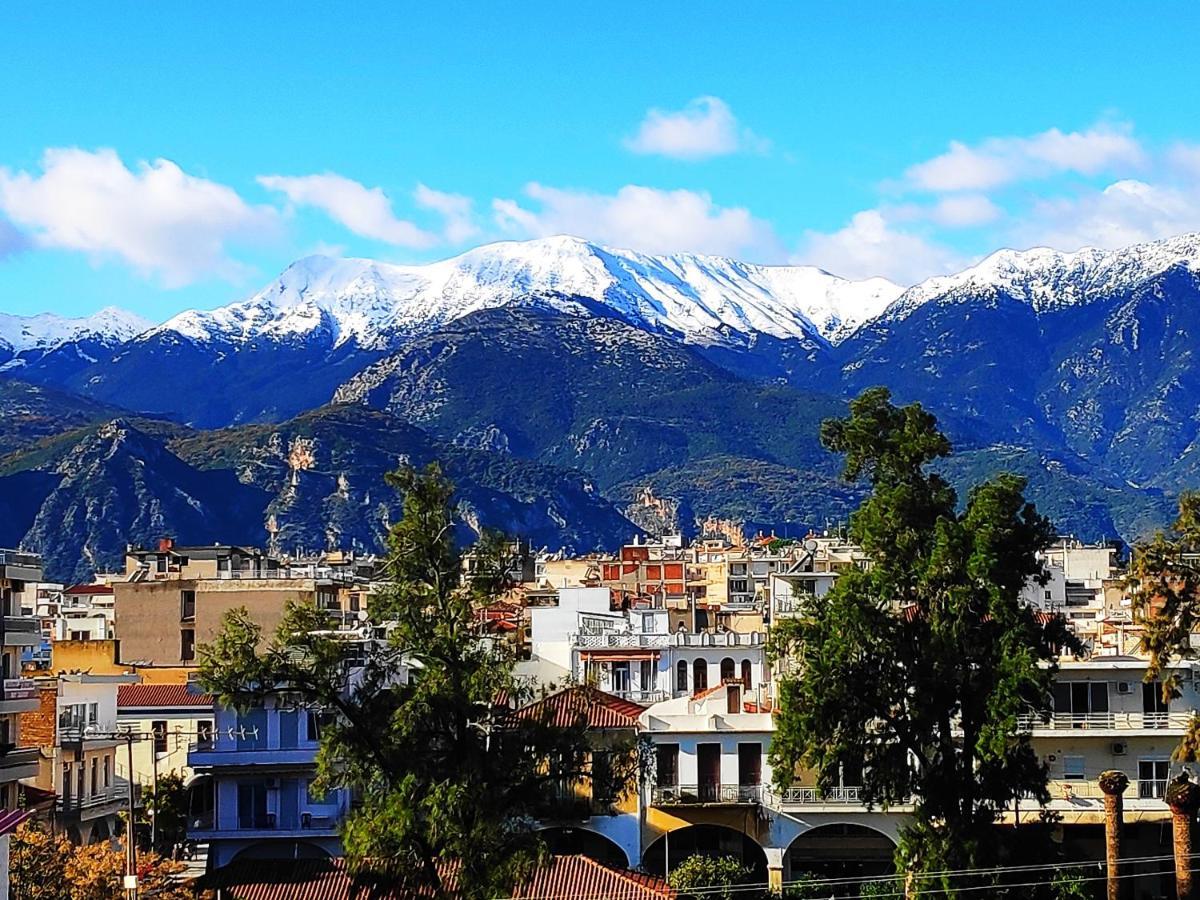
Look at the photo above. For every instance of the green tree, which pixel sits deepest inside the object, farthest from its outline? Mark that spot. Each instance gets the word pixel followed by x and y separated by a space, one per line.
pixel 914 669
pixel 1164 584
pixel 707 875
pixel 168 805
pixel 450 782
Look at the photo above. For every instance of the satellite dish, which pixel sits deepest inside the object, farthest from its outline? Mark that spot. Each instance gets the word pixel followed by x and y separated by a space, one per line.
pixel 811 545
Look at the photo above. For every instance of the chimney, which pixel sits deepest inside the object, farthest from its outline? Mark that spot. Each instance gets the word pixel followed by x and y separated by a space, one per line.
pixel 165 544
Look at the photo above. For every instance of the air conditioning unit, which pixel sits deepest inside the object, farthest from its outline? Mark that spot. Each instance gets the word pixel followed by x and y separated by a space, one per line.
pixel 1124 687
pixel 1119 748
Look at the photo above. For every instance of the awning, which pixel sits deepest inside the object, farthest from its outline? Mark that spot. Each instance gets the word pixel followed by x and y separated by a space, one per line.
pixel 618 654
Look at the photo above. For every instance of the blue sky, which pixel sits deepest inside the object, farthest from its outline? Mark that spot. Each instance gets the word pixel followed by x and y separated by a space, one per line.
pixel 159 157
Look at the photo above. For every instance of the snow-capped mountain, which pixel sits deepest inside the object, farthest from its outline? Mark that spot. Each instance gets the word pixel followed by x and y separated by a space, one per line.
pixel 24 338
pixel 700 298
pixel 1049 279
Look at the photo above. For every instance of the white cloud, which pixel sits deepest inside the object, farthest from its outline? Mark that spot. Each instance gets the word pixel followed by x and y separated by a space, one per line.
pixel 456 211
pixel 642 218
pixel 964 211
pixel 706 127
pixel 365 211
pixel 1126 212
pixel 870 245
pixel 1185 158
pixel 1002 160
pixel 157 218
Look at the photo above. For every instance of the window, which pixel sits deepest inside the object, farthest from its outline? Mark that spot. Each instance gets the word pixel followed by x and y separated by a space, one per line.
pixel 699 676
pixel 252 805
pixel 80 635
pixel 726 670
pixel 1048 595
pixel 1152 778
pixel 681 676
pixel 666 765
pixel 647 675
pixel 95 770
pixel 747 675
pixel 187 644
pixel 316 722
pixel 187 605
pixel 1085 702
pixel 107 776
pixel 93 713
pixel 204 734
pixel 160 736
pixel 1073 768
pixel 647 624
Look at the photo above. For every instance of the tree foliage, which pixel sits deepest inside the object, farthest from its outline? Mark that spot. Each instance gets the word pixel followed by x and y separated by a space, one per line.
pixel 912 671
pixel 706 875
pixel 449 779
pixel 43 866
pixel 168 805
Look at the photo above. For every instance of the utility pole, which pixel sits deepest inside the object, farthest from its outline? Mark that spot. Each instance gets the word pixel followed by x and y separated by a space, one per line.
pixel 130 842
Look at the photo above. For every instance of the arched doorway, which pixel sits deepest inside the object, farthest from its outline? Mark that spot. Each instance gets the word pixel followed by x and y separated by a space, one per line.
pixel 726 670
pixel 562 841
pixel 841 850
pixel 747 675
pixel 674 847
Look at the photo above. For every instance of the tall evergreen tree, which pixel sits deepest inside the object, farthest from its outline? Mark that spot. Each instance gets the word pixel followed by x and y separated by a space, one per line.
pixel 914 669
pixel 449 783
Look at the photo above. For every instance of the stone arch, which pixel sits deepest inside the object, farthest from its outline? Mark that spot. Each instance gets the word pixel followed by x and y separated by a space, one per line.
pixel 568 839
pixel 728 672
pixel 282 850
pixel 673 847
pixel 841 850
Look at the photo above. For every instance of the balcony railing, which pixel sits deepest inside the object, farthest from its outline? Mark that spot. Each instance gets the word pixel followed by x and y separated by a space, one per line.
pixel 304 821
pixel 17 558
pixel 117 792
pixel 1064 790
pixel 798 795
pixel 620 639
pixel 21 625
pixel 1116 721
pixel 19 689
pixel 691 794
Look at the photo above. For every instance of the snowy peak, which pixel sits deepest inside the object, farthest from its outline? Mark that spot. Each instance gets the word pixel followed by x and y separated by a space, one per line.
pixel 700 298
pixel 1049 279
pixel 46 331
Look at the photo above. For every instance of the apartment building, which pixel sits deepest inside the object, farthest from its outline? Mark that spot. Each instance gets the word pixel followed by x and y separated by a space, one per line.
pixel 173 598
pixel 261 762
pixel 168 719
pixel 19 634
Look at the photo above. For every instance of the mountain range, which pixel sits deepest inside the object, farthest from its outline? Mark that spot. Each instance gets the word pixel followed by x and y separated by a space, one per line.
pixel 560 380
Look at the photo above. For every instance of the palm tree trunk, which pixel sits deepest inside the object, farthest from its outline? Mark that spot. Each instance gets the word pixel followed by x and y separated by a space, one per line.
pixel 1113 784
pixel 1184 799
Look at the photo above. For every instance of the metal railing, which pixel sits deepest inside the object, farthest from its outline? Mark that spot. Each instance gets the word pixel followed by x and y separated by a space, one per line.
pixel 686 794
pixel 19 689
pixel 800 795
pixel 117 792
pixel 21 625
pixel 1066 790
pixel 1109 720
pixel 620 639
pixel 18 558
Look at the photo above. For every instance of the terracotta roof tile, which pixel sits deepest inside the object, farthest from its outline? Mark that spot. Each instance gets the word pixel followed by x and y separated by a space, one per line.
pixel 566 877
pixel 137 696
pixel 601 710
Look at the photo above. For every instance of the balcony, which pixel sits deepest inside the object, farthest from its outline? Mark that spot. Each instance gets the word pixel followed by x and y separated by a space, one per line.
pixel 22 631
pixel 208 754
pixel 1080 793
pixel 18 762
pixel 20 566
pixel 305 824
pixel 115 794
pixel 1106 722
pixel 619 639
pixel 18 695
pixel 798 795
pixel 706 794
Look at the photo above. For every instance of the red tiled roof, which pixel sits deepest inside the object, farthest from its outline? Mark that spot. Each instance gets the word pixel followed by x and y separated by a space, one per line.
pixel 600 709
pixel 136 696
pixel 566 877
pixel 77 589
